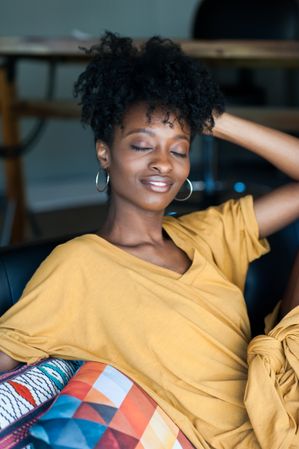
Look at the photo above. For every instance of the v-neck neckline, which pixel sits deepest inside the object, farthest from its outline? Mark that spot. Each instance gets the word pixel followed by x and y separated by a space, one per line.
pixel 192 254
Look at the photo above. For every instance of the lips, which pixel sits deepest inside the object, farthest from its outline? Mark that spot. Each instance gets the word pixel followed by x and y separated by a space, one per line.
pixel 159 184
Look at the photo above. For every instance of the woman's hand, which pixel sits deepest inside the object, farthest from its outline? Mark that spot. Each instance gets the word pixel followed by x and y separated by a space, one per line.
pixel 7 363
pixel 210 124
pixel 279 208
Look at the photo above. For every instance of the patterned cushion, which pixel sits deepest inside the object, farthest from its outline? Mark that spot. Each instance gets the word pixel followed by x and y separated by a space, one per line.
pixel 26 393
pixel 100 408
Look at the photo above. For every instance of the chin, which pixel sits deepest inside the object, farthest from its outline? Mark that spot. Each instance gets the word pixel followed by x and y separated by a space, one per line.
pixel 157 205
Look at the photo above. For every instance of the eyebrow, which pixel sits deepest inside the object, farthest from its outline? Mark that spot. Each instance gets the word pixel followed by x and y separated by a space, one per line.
pixel 152 133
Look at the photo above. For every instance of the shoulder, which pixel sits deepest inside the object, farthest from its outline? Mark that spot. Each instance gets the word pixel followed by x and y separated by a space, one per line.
pixel 84 245
pixel 72 262
pixel 76 254
pixel 215 217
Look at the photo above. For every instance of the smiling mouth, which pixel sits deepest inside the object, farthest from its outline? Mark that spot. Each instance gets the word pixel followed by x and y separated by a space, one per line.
pixel 157 185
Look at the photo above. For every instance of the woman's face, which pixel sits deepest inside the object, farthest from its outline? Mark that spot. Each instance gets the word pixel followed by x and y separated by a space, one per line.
pixel 148 161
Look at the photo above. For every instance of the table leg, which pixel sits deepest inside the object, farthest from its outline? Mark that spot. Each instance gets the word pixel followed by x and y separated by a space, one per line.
pixel 14 177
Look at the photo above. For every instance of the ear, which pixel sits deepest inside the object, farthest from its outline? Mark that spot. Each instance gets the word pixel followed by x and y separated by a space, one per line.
pixel 103 154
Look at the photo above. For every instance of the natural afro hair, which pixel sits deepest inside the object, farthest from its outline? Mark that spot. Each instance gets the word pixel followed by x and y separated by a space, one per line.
pixel 158 73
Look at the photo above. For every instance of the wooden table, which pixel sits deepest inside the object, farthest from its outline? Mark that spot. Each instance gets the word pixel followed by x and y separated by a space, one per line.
pixel 245 54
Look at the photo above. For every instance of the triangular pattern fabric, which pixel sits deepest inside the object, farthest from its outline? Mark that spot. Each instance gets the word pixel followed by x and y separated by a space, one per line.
pixel 105 411
pixel 92 422
pixel 97 397
pixel 86 411
pixel 113 439
pixel 120 422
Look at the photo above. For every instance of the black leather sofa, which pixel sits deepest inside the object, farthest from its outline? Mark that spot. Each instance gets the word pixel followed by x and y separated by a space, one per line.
pixel 266 278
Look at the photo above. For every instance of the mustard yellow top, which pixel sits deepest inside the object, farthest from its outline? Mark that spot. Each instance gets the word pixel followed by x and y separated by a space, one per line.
pixel 183 338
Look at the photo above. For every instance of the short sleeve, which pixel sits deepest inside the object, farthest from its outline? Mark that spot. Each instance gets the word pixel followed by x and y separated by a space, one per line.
pixel 45 314
pixel 228 236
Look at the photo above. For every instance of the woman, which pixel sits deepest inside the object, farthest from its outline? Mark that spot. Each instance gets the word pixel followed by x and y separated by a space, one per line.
pixel 161 298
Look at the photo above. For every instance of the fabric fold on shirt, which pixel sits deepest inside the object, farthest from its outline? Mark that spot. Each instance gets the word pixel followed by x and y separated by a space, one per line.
pixel 273 373
pixel 183 338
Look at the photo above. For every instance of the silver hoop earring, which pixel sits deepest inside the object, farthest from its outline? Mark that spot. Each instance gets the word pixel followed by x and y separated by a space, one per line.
pixel 189 194
pixel 102 184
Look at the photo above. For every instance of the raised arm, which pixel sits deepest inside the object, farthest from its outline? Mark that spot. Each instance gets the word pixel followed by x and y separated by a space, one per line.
pixel 280 207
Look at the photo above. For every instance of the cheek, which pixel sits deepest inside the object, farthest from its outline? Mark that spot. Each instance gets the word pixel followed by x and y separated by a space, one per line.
pixel 188 166
pixel 123 172
pixel 185 170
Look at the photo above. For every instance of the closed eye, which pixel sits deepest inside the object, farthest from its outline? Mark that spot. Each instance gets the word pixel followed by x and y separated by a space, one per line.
pixel 184 155
pixel 136 148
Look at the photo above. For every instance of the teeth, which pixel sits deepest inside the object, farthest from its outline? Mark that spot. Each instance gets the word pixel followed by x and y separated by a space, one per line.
pixel 158 184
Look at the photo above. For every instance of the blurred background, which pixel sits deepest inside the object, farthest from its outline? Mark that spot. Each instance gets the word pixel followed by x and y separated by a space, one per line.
pixel 60 167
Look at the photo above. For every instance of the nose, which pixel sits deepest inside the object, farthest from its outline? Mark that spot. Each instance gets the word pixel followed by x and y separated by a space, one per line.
pixel 161 162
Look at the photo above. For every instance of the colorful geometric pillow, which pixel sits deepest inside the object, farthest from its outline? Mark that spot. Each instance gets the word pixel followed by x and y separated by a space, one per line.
pixel 101 408
pixel 26 393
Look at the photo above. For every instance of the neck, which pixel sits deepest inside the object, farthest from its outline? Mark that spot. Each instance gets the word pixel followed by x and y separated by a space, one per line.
pixel 127 225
